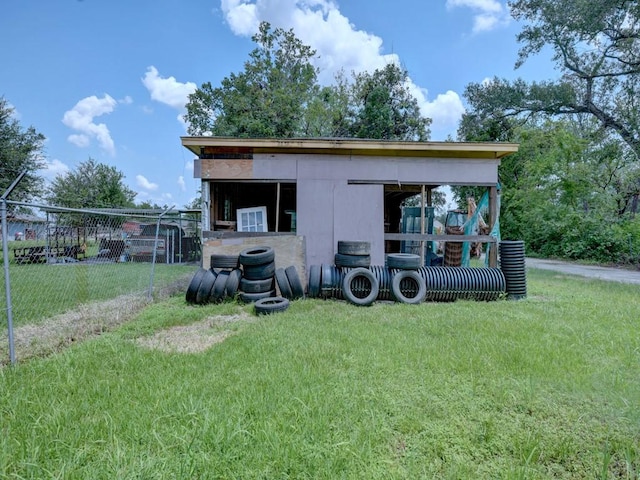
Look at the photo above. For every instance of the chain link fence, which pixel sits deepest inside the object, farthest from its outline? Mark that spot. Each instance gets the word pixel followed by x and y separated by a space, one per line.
pixel 71 273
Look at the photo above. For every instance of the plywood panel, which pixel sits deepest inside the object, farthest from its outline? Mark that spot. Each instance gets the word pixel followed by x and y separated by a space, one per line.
pixel 315 219
pixel 226 169
pixel 359 216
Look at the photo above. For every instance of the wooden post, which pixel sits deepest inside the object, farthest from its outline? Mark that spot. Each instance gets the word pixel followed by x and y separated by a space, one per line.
pixel 422 221
pixel 277 205
pixel 493 216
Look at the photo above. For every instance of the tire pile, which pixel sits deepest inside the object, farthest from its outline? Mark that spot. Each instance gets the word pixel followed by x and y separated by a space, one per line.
pixel 403 279
pixel 250 276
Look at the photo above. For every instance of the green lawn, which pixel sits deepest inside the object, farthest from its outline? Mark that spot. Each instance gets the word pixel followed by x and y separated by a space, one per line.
pixel 39 291
pixel 545 387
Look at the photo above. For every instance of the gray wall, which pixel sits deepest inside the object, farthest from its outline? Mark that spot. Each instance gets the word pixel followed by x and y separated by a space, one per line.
pixel 330 208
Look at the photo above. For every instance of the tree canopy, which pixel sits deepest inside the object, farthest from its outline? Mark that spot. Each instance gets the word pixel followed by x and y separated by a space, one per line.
pixel 21 150
pixel 573 188
pixel 91 185
pixel 277 95
pixel 596 47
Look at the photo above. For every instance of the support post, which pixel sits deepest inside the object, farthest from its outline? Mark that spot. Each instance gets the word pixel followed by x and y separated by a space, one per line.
pixel 155 251
pixel 493 217
pixel 422 223
pixel 5 257
pixel 277 206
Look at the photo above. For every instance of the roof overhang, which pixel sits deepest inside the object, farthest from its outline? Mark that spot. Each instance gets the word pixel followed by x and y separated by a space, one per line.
pixel 341 146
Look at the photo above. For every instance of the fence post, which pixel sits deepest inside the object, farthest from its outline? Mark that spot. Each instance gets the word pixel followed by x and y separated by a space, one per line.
pixel 5 257
pixel 155 251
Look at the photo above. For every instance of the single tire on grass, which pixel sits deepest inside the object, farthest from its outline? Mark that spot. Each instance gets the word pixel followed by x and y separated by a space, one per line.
pixel 283 283
pixel 313 287
pixel 366 283
pixel 418 285
pixel 257 255
pixel 208 279
pixel 194 285
pixel 233 282
pixel 294 282
pixel 266 306
pixel 219 287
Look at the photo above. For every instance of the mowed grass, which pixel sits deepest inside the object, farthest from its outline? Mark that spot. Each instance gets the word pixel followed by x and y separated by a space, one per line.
pixel 40 291
pixel 545 387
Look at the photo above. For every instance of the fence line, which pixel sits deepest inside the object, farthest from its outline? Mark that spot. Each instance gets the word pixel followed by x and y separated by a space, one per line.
pixel 78 257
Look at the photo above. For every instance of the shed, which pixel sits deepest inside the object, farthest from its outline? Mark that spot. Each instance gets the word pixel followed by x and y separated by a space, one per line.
pixel 326 190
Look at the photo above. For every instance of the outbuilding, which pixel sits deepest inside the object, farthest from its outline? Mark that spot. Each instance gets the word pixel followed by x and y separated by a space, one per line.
pixel 305 195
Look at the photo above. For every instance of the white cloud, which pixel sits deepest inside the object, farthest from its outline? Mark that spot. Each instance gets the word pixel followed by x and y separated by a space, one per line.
pixel 489 15
pixel 318 23
pixel 145 184
pixel 168 90
pixel 54 168
pixel 81 118
pixel 181 184
pixel 126 100
pixel 341 46
pixel 445 111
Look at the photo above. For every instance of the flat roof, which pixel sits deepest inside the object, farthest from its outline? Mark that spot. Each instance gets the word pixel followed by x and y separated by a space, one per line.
pixel 348 146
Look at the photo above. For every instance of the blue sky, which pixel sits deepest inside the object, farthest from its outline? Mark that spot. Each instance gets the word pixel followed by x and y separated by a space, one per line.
pixel 108 80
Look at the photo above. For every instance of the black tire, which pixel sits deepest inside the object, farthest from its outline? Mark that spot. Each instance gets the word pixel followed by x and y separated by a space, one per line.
pixel 283 283
pixel 365 296
pixel 313 287
pixel 256 286
pixel 403 261
pixel 233 282
pixel 257 256
pixel 352 261
pixel 354 248
pixel 253 297
pixel 219 287
pixel 414 277
pixel 224 261
pixel 194 285
pixel 266 306
pixel 259 272
pixel 208 279
pixel 294 282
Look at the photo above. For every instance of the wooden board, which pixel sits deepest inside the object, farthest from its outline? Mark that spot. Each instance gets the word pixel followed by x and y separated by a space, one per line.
pixel 234 169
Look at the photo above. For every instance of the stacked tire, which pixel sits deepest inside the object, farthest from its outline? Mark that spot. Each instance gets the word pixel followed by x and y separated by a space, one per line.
pixel 407 286
pixel 258 272
pixel 353 254
pixel 217 283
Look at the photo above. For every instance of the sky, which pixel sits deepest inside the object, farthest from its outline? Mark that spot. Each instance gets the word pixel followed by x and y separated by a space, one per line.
pixel 109 80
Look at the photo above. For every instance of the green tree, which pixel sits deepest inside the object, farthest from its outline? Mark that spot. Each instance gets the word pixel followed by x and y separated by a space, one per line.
pixel 267 99
pixel 596 47
pixel 91 185
pixel 381 106
pixel 21 150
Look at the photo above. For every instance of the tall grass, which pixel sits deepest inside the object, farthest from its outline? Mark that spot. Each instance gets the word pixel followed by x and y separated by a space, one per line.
pixel 545 387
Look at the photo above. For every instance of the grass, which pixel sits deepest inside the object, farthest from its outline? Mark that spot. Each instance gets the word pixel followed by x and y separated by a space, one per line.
pixel 39 291
pixel 545 387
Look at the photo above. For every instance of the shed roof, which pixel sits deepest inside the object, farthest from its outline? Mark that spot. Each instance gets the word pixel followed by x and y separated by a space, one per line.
pixel 348 146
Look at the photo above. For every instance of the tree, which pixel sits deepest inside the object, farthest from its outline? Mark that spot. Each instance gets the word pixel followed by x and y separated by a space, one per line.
pixel 20 151
pixel 277 95
pixel 267 99
pixel 91 185
pixel 596 47
pixel 382 106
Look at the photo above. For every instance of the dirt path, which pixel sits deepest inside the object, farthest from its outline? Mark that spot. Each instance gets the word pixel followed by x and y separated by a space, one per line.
pixel 603 273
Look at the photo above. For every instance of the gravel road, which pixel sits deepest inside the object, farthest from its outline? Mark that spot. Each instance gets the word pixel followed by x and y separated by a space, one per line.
pixel 603 273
